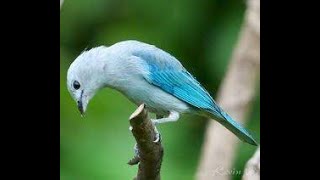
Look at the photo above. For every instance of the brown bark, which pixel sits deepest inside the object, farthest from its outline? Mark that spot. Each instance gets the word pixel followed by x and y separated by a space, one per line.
pixel 150 153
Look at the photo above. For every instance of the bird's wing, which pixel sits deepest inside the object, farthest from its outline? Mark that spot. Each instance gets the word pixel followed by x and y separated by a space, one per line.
pixel 168 74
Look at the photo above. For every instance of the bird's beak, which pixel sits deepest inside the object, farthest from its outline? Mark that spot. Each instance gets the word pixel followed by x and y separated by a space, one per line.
pixel 80 107
pixel 80 104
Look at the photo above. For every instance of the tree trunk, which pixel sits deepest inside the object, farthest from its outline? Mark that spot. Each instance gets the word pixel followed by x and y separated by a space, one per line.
pixel 235 96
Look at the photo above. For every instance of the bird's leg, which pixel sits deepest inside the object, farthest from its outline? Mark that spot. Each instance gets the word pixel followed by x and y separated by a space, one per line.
pixel 173 116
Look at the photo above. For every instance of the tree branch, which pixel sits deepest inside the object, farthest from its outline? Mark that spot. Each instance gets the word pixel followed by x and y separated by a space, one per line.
pixel 252 169
pixel 149 153
pixel 235 96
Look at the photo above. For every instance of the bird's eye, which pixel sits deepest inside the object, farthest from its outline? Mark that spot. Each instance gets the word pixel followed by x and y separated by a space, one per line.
pixel 76 85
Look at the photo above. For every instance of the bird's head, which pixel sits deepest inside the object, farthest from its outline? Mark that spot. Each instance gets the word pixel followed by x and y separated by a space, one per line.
pixel 84 77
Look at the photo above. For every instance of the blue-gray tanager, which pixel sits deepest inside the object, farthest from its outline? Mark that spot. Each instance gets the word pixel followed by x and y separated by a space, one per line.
pixel 149 75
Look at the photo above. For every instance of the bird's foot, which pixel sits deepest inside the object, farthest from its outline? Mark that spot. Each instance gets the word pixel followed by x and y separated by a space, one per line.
pixel 136 150
pixel 136 158
pixel 158 135
pixel 135 147
pixel 158 138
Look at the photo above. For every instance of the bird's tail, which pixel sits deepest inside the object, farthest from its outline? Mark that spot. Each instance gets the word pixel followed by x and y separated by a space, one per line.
pixel 234 127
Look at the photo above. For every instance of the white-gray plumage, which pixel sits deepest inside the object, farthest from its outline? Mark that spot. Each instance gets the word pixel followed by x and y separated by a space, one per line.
pixel 117 68
pixel 145 74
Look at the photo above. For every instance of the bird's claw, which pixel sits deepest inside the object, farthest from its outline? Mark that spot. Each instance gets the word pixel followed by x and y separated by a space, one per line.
pixel 136 150
pixel 158 137
pixel 136 159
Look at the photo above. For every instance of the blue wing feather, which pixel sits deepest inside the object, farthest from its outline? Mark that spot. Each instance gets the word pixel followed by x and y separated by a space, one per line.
pixel 183 86
pixel 167 73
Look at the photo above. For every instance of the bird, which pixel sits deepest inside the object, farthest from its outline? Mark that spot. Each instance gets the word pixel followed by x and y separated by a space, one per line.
pixel 148 75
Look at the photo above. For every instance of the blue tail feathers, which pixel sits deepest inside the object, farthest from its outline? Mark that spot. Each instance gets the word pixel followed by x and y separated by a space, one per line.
pixel 234 127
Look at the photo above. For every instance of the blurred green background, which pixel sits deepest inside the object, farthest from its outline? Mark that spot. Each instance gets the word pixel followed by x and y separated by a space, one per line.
pixel 200 33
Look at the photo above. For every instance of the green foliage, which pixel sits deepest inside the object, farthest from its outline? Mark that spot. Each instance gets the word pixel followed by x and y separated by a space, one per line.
pixel 201 34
